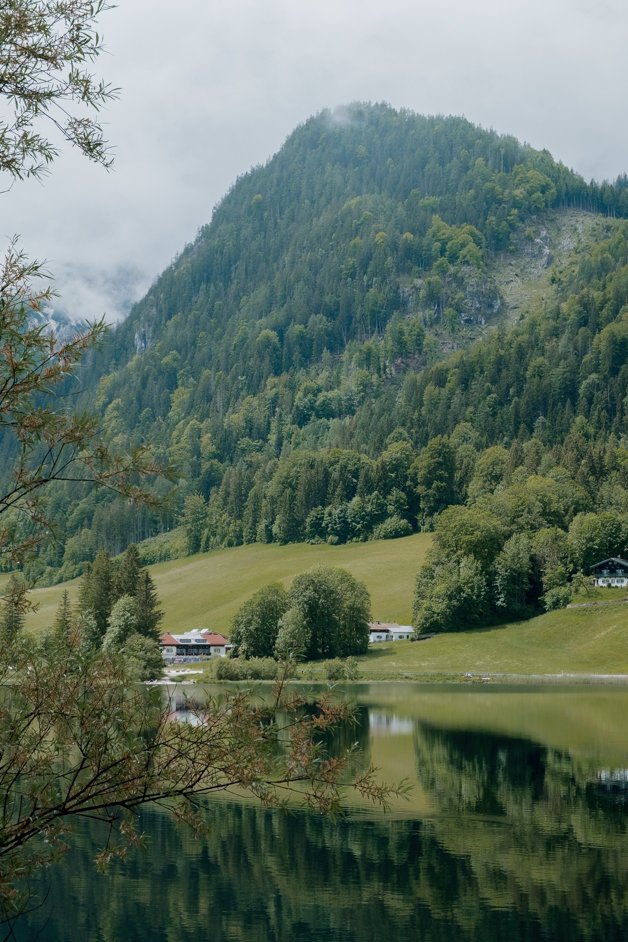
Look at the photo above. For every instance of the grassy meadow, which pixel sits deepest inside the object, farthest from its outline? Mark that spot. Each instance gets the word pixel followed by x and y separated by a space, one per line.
pixel 579 641
pixel 570 641
pixel 206 590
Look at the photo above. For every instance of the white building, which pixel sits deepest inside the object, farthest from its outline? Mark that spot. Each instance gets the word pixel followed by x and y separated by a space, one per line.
pixel 611 572
pixel 192 646
pixel 389 631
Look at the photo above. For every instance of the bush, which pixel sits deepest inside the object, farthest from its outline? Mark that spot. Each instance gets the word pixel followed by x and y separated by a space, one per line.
pixel 555 598
pixel 583 586
pixel 255 668
pixel 339 669
pixel 392 528
pixel 163 547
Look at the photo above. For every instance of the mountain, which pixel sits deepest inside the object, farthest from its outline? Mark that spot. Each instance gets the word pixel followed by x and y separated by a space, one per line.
pixel 365 317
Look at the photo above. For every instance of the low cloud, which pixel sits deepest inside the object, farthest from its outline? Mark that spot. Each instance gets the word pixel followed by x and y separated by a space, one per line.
pixel 88 292
pixel 219 87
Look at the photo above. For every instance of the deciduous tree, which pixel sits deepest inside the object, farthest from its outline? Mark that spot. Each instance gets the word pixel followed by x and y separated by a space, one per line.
pixel 46 83
pixel 121 624
pixel 47 89
pixel 292 637
pixel 335 610
pixel 435 474
pixel 77 738
pixel 450 595
pixel 47 441
pixel 255 625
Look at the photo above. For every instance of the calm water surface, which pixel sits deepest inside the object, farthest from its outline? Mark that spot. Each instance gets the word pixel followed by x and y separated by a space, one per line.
pixel 515 830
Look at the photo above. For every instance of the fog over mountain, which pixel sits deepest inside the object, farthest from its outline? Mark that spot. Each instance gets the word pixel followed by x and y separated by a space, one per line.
pixel 216 89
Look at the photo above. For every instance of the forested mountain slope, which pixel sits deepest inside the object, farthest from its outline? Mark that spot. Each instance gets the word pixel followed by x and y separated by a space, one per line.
pixel 387 298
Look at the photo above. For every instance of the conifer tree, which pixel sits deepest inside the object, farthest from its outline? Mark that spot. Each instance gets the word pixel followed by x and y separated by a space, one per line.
pixel 63 618
pixel 127 574
pixel 147 608
pixel 96 592
pixel 14 608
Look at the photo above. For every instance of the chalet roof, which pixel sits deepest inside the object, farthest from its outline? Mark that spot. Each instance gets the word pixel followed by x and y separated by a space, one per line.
pixel 614 560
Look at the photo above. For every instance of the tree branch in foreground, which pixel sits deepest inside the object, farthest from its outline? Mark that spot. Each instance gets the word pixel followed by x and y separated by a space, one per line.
pixel 78 741
pixel 46 439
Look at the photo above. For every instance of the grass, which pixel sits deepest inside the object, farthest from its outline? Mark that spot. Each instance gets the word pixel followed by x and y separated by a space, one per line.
pixel 582 640
pixel 577 641
pixel 594 595
pixel 206 590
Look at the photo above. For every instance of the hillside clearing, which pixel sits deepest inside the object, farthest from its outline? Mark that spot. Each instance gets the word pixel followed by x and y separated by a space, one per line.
pixel 578 641
pixel 206 590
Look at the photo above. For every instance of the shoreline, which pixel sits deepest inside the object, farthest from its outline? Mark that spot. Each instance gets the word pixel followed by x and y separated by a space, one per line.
pixel 481 678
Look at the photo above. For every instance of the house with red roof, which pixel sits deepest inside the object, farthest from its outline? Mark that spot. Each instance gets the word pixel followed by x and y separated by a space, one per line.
pixel 193 645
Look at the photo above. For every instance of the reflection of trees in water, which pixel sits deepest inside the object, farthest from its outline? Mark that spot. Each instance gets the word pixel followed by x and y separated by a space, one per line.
pixel 259 876
pixel 544 857
pixel 549 845
pixel 262 875
pixel 474 772
pixel 351 739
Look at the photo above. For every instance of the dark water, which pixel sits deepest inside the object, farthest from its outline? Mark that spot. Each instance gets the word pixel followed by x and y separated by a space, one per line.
pixel 516 830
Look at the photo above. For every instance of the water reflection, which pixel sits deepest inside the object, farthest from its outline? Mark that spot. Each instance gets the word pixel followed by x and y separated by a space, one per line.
pixel 524 840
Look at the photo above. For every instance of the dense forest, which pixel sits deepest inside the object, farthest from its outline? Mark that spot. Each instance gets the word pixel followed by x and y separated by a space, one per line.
pixel 335 357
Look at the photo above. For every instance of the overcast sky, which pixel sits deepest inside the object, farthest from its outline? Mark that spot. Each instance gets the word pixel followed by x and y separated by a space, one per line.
pixel 209 88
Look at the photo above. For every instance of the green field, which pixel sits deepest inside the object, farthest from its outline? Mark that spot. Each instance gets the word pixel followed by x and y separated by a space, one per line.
pixel 206 590
pixel 557 646
pixel 578 641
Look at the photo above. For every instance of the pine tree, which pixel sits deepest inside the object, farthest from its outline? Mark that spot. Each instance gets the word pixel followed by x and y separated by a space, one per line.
pixel 146 601
pixel 127 575
pixel 13 613
pixel 96 592
pixel 63 618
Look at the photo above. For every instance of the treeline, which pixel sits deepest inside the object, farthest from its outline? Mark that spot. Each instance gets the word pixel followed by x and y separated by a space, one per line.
pixel 517 550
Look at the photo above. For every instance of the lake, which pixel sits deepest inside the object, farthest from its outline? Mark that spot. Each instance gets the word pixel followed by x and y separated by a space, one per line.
pixel 515 829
